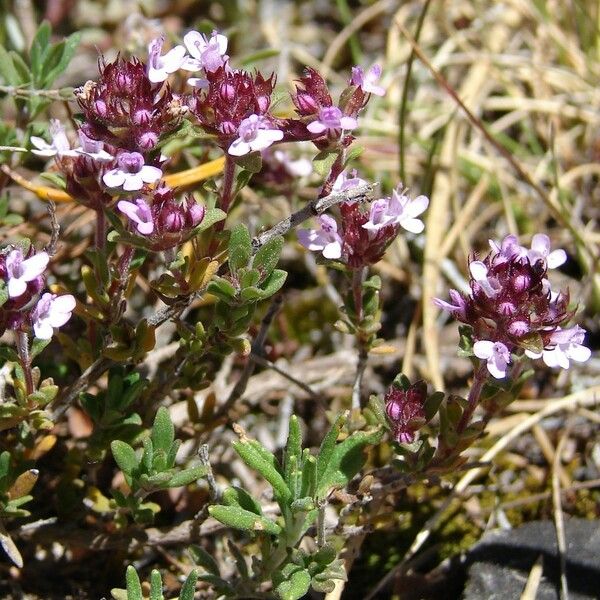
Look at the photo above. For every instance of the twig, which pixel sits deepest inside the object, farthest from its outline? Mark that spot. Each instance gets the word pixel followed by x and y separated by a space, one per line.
pixel 263 362
pixel 257 349
pixel 25 92
pixel 54 229
pixel 361 193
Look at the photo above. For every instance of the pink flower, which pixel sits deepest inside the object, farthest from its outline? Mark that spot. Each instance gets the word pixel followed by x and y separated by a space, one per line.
pixel 160 67
pixel 366 81
pixel 540 250
pixel 20 271
pixel 399 209
pixel 479 273
pixel 405 411
pixel 60 143
pixel 140 213
pixel 458 309
pixel 347 181
pixel 326 239
pixel 92 148
pixel 568 345
pixel 331 118
pixel 496 354
pixel 207 54
pixel 255 133
pixel 131 173
pixel 51 311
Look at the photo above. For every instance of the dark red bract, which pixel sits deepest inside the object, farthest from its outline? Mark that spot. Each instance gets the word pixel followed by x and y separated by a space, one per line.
pixel 405 410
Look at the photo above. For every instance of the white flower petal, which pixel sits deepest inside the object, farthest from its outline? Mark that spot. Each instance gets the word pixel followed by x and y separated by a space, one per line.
pixel 34 266
pixel 478 270
pixel 556 258
pixel 43 329
pixel 195 43
pixel 239 147
pixel 417 206
pixel 150 174
pixel 16 287
pixel 316 127
pixel 332 250
pixel 483 349
pixel 413 225
pixel 133 182
pixel 579 353
pixel 113 178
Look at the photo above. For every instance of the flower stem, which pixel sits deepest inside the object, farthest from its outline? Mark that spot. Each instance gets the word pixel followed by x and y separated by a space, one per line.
pixel 361 338
pixel 100 239
pixel 25 359
pixel 227 187
pixel 473 397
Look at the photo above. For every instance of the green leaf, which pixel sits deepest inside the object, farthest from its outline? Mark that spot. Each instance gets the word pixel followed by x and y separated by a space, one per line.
pixel 328 445
pixel 156 585
pixel 352 154
pixel 273 283
pixel 203 559
pixel 211 216
pixel 260 459
pixel 39 48
pixel 345 461
pixel 240 247
pixel 134 588
pixel 8 73
pixel 267 257
pixel 163 431
pixel 245 520
pixel 21 67
pixel 37 346
pixel 59 57
pixel 323 161
pixel 251 162
pixel 236 496
pixel 189 587
pixel 124 456
pixel 295 586
pixel 293 446
pixel 187 476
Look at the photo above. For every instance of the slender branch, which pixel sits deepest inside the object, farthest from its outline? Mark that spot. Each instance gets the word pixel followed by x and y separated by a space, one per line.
pixel 25 359
pixel 361 193
pixel 263 362
pixel 473 397
pixel 25 92
pixel 358 276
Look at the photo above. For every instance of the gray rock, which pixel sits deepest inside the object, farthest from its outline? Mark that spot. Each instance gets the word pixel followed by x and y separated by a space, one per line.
pixel 498 566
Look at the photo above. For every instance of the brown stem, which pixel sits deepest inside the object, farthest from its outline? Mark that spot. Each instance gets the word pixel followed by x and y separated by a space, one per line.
pixel 361 339
pixel 25 359
pixel 473 397
pixel 227 187
pixel 100 239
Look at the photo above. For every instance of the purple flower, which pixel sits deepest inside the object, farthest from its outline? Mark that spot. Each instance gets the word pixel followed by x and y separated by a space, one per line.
pixel 160 67
pixel 60 143
pixel 347 181
pixel 496 354
pixel 564 345
pixel 458 309
pixel 131 173
pixel 326 239
pixel 92 148
pixel 140 213
pixel 51 311
pixel 208 54
pixel 479 273
pixel 20 270
pixel 400 210
pixel 367 81
pixel 331 118
pixel 539 251
pixel 255 133
pixel 405 410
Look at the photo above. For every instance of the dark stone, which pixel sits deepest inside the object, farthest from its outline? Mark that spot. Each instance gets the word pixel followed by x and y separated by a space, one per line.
pixel 498 566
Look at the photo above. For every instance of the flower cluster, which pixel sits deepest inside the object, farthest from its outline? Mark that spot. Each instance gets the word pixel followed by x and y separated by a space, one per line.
pixel 161 218
pixel 512 308
pixel 406 410
pixel 21 281
pixel 364 236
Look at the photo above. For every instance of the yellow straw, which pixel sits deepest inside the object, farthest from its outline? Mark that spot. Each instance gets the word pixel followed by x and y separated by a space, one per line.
pixel 181 179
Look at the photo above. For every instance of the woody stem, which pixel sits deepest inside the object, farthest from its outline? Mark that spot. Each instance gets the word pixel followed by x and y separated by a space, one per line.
pixel 25 359
pixel 473 398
